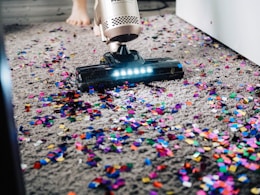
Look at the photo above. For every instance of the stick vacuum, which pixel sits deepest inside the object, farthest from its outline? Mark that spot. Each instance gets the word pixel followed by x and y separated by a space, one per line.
pixel 119 23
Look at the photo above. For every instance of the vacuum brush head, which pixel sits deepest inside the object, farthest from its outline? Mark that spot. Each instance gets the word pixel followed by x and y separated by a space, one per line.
pixel 116 69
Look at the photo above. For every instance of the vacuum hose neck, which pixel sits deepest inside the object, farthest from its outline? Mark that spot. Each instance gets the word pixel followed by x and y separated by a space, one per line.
pixel 117 47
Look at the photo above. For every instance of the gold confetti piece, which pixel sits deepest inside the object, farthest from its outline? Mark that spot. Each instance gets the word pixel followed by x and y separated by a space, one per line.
pixel 242 129
pixel 255 190
pixel 47 160
pixel 117 166
pixel 197 159
pixel 62 126
pixel 233 168
pixel 242 178
pixel 146 179
pixel 242 112
pixel 245 101
pixel 216 45
pixel 50 146
pixel 206 148
pixel 72 55
pixel 189 141
pixel 60 159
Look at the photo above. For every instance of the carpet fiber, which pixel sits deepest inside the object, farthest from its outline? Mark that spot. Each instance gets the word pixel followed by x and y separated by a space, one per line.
pixel 198 135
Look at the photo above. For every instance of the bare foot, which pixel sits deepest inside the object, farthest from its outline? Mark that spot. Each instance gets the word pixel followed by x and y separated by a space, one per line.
pixel 79 16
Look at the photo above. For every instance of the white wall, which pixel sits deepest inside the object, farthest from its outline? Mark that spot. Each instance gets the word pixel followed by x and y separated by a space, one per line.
pixel 235 23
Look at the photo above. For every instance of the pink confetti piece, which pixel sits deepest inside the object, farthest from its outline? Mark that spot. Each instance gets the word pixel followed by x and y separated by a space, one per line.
pixel 31 96
pixel 38 111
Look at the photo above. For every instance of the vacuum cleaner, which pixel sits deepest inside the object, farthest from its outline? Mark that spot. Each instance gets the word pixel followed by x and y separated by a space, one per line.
pixel 119 23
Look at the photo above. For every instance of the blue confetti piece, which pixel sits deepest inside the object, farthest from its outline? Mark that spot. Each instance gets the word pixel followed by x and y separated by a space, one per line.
pixel 180 137
pixel 174 111
pixel 31 123
pixel 179 65
pixel 93 185
pixel 88 135
pixel 253 132
pixel 43 162
pixel 147 161
pixel 245 134
pixel 232 119
pixel 115 174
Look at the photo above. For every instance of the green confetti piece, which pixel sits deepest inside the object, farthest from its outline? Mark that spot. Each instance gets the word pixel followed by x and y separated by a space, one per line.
pixel 233 95
pixel 252 157
pixel 113 148
pixel 97 159
pixel 149 121
pixel 226 112
pixel 129 130
pixel 196 143
pixel 220 118
pixel 245 153
pixel 223 169
pixel 71 119
pixel 112 135
pixel 130 165
pixel 220 160
pixel 150 141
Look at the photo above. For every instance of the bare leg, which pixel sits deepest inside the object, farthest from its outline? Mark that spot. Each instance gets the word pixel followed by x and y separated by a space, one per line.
pixel 79 16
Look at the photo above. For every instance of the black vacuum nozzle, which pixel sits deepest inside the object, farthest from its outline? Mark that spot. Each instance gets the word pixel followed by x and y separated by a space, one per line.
pixel 115 69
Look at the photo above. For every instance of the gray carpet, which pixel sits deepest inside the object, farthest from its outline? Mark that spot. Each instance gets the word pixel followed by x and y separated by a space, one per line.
pixel 198 135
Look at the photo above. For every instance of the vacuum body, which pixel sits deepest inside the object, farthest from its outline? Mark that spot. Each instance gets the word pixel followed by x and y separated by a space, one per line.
pixel 119 20
pixel 119 23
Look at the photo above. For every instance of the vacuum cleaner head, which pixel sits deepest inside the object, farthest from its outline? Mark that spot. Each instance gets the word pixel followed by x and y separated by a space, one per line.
pixel 119 68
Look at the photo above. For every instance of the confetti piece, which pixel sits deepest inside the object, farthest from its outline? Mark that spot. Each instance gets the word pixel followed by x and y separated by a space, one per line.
pixel 187 184
pixel 145 179
pixel 157 184
pixel 255 190
pixel 71 193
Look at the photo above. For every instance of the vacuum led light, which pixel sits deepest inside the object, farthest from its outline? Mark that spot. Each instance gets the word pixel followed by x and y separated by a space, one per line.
pixel 134 71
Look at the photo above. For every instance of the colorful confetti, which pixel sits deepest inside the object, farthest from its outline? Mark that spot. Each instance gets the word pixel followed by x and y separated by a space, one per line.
pixel 199 135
